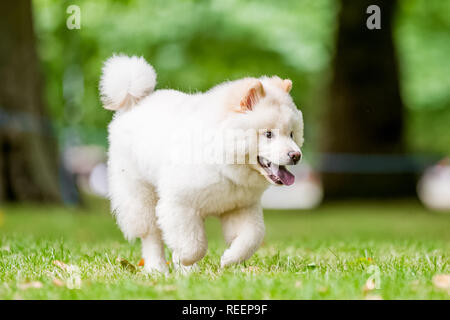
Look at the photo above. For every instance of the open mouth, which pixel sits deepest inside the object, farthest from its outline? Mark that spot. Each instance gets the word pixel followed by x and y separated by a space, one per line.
pixel 278 174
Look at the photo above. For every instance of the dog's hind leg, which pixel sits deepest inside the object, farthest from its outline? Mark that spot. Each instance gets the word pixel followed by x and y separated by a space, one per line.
pixel 133 202
pixel 136 218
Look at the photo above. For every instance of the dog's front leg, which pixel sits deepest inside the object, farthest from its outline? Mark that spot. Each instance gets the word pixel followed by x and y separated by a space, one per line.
pixel 183 231
pixel 243 230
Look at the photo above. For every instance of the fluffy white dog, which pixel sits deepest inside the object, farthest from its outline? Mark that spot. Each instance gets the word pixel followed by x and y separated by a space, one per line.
pixel 160 194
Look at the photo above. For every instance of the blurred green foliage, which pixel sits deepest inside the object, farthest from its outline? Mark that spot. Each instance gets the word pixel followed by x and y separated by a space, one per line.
pixel 194 45
pixel 422 34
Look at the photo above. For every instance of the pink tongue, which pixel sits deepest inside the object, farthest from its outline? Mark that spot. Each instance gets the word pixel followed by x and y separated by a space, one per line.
pixel 285 176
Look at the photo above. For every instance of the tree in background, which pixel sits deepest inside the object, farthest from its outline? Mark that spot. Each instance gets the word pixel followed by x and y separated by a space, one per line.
pixel 364 120
pixel 28 151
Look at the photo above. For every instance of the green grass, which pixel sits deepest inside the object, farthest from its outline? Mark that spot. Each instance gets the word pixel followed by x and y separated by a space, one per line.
pixel 325 253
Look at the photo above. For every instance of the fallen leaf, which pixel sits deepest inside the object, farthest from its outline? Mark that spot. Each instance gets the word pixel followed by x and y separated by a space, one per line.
pixel 126 265
pixel 251 269
pixel 373 297
pixel 169 287
pixel 322 290
pixel 141 262
pixel 369 285
pixel 415 285
pixel 69 276
pixel 60 265
pixel 30 284
pixel 442 281
pixel 365 260
pixel 58 282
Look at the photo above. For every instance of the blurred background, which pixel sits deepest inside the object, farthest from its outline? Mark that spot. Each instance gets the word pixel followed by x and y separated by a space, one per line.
pixel 376 103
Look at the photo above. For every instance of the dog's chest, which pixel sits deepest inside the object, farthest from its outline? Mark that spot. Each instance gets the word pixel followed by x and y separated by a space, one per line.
pixel 226 196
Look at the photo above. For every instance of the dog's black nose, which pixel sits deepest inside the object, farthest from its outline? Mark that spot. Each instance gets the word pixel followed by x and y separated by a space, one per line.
pixel 295 156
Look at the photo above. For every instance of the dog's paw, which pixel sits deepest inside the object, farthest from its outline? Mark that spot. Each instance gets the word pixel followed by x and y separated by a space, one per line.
pixel 182 269
pixel 227 259
pixel 156 268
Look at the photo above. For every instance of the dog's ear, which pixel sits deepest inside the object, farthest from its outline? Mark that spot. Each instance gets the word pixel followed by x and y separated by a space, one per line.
pixel 254 93
pixel 286 85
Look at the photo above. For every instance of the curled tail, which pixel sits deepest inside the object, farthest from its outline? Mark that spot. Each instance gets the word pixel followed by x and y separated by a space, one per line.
pixel 125 81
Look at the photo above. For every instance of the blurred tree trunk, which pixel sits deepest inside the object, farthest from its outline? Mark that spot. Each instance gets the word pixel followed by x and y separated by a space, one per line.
pixel 364 116
pixel 28 151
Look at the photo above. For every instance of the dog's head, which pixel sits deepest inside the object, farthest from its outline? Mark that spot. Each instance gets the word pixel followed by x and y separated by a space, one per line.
pixel 266 106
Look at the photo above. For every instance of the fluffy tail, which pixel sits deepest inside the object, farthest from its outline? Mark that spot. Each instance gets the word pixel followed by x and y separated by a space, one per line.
pixel 125 81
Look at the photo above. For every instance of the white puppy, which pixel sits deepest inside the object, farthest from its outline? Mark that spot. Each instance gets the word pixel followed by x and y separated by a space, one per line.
pixel 160 194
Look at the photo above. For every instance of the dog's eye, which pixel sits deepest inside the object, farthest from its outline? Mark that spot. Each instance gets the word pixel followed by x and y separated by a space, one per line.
pixel 292 134
pixel 268 134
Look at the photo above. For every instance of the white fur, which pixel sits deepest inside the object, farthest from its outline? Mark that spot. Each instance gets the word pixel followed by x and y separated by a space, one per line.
pixel 159 198
pixel 125 81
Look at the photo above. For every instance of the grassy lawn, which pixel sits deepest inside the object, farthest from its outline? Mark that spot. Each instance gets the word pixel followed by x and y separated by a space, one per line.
pixel 327 253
